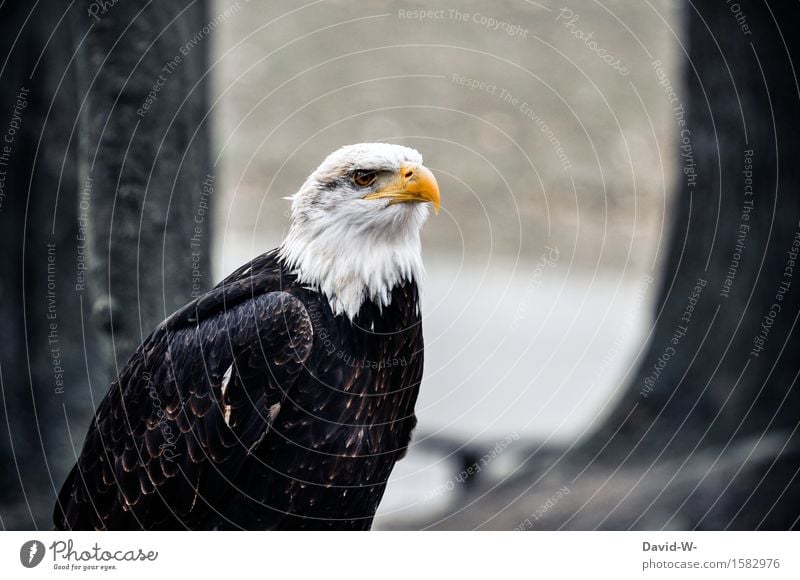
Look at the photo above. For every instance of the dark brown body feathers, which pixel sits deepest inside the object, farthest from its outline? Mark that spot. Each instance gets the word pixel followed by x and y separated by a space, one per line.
pixel 253 407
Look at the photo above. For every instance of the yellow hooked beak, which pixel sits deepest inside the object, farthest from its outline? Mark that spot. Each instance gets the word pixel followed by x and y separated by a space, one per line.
pixel 413 183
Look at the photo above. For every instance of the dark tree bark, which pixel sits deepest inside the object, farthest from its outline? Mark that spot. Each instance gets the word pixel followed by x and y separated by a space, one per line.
pixel 146 152
pixel 705 436
pixel 104 215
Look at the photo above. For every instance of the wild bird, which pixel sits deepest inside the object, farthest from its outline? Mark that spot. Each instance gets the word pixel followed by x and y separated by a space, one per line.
pixel 282 398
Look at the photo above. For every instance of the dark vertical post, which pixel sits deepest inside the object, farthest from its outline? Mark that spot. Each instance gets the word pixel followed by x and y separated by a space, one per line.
pixel 730 295
pixel 104 219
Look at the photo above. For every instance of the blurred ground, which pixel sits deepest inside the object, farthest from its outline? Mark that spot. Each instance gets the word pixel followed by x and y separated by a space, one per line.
pixel 552 177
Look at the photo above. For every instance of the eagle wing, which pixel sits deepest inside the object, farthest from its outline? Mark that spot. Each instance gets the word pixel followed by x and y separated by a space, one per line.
pixel 188 411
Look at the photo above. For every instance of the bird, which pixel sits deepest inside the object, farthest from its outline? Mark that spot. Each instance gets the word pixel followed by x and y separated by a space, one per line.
pixel 282 398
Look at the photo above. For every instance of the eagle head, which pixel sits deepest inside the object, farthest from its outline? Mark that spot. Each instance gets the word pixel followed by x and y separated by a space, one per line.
pixel 356 223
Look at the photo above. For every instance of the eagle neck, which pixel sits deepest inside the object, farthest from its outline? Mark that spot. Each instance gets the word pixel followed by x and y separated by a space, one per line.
pixel 350 266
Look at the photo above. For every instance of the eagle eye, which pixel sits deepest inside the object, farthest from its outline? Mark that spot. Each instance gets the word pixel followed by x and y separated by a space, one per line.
pixel 364 178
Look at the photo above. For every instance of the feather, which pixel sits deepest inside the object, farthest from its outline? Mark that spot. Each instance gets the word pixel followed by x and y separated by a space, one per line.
pixel 275 400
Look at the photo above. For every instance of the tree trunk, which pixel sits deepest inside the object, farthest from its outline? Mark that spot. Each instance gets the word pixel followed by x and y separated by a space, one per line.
pixel 705 435
pixel 103 216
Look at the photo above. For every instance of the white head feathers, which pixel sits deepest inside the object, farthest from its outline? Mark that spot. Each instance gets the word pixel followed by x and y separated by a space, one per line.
pixel 350 248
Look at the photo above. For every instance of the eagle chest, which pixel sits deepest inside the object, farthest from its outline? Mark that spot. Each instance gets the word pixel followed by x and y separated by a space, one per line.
pixel 360 384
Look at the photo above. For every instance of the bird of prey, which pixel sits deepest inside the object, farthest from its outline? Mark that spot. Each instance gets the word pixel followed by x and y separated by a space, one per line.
pixel 281 398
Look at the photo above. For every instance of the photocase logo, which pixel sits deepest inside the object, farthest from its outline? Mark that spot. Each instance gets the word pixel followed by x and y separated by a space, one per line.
pixel 31 553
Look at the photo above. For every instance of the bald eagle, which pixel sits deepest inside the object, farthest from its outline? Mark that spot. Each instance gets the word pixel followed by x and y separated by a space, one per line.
pixel 282 398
